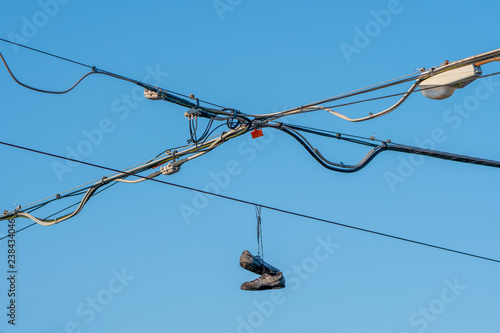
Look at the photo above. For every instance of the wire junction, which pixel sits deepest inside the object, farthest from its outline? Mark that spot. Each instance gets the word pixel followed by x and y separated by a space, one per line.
pixel 238 124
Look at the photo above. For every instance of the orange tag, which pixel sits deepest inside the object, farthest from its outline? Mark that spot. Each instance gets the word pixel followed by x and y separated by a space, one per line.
pixel 257 134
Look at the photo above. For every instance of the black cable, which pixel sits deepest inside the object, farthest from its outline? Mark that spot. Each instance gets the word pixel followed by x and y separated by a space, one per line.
pixel 176 101
pixel 325 133
pixel 42 90
pixel 209 134
pixel 339 167
pixel 264 206
pixel 46 53
pixel 97 71
pixel 204 135
pixel 377 149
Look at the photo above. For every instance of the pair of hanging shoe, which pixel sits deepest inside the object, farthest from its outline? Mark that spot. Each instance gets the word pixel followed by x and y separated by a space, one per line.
pixel 270 276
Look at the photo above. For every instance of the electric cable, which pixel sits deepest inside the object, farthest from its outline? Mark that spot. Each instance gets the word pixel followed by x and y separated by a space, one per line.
pixel 376 149
pixel 478 60
pixel 41 90
pixel 96 71
pixel 233 120
pixel 60 211
pixel 199 150
pixel 373 232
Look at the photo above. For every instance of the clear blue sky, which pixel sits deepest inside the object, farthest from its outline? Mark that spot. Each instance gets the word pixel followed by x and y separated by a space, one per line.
pixel 133 262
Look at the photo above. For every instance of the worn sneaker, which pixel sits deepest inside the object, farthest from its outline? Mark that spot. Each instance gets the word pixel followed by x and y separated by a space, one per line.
pixel 266 281
pixel 256 264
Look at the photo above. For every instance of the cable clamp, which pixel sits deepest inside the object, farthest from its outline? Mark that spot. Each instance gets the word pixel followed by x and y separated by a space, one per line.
pixel 193 112
pixel 170 169
pixel 154 95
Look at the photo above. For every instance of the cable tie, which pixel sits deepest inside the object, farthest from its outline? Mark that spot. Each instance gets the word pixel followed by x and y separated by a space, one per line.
pixel 58 196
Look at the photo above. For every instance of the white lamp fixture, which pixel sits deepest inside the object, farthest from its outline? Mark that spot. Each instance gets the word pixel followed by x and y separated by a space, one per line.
pixel 443 85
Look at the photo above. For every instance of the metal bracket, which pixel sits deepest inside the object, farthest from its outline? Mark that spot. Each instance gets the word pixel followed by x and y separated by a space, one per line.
pixel 154 95
pixel 193 112
pixel 170 169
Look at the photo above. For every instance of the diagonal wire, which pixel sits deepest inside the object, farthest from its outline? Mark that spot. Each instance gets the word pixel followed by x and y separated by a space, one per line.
pixel 318 219
pixel 60 211
pixel 94 71
pixel 46 53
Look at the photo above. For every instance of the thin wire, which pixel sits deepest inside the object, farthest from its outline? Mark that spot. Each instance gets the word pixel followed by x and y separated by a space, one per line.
pixel 95 70
pixel 371 88
pixel 378 86
pixel 329 133
pixel 260 244
pixel 46 53
pixel 124 174
pixel 60 211
pixel 268 207
pixel 42 90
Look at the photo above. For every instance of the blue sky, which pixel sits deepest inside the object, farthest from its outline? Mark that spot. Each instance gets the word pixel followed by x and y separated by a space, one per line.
pixel 133 261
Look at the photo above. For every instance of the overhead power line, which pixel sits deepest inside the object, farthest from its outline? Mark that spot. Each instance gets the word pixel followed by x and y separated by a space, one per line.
pixel 240 123
pixel 95 70
pixel 373 232
pixel 418 78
